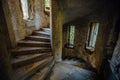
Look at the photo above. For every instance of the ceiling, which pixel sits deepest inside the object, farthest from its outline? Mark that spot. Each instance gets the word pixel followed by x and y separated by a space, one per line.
pixel 73 9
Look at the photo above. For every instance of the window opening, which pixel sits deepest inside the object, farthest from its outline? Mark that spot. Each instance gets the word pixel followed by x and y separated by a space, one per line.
pixel 92 36
pixel 47 5
pixel 71 35
pixel 24 4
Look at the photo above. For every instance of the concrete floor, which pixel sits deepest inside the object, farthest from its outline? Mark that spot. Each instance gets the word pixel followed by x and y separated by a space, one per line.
pixel 64 71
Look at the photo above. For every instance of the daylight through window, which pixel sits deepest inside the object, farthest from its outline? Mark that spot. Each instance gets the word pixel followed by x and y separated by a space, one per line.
pixel 71 36
pixel 47 5
pixel 92 36
pixel 24 4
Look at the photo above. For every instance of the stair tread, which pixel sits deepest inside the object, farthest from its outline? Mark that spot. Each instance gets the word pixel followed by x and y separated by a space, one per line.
pixel 43 37
pixel 20 61
pixel 42 32
pixel 46 28
pixel 38 38
pixel 34 42
pixel 23 58
pixel 26 71
pixel 19 49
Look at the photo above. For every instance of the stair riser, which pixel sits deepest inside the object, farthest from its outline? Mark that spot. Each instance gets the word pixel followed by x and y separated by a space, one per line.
pixel 30 61
pixel 36 39
pixel 30 52
pixel 33 45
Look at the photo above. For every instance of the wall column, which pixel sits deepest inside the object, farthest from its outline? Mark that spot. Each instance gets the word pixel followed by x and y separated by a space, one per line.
pixel 56 25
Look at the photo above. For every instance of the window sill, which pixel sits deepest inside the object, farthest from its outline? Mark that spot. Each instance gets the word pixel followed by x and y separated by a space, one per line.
pixel 91 49
pixel 27 20
pixel 69 46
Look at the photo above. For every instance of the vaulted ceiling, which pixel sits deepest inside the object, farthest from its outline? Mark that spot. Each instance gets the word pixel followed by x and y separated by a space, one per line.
pixel 73 9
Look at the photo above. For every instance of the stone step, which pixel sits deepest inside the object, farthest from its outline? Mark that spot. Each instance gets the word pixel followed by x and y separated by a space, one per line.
pixel 26 71
pixel 38 38
pixel 20 61
pixel 44 73
pixel 29 50
pixel 46 29
pixel 33 43
pixel 41 33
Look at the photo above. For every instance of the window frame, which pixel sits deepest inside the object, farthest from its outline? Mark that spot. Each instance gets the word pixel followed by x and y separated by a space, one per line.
pixel 70 39
pixel 47 5
pixel 25 9
pixel 92 36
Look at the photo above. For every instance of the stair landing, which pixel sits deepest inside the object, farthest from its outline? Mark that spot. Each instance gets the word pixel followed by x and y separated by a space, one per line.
pixel 63 71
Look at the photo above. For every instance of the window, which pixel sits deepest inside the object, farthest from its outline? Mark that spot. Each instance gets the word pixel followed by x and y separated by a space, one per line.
pixel 47 5
pixel 71 33
pixel 24 4
pixel 92 36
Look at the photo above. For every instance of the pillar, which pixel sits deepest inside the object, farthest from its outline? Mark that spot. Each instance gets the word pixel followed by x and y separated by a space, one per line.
pixel 56 25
